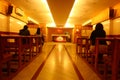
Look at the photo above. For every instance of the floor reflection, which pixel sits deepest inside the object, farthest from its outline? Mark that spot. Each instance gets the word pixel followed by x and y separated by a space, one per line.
pixel 58 66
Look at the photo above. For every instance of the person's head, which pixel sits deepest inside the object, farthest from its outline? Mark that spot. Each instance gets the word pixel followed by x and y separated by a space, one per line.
pixel 25 27
pixel 99 26
pixel 38 31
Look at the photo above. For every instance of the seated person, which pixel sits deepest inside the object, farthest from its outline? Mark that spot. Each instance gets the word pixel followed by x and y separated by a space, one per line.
pixel 39 33
pixel 24 32
pixel 98 33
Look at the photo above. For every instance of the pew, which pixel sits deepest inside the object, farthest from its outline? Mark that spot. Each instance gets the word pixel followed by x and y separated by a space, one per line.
pixel 5 58
pixel 37 44
pixel 18 53
pixel 82 46
pixel 109 41
pixel 111 59
pixel 13 45
pixel 34 47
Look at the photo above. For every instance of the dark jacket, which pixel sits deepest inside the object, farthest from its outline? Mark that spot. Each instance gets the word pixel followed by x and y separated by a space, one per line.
pixel 24 32
pixel 98 33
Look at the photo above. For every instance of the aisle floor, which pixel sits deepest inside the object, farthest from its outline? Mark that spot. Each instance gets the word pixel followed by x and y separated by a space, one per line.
pixel 57 61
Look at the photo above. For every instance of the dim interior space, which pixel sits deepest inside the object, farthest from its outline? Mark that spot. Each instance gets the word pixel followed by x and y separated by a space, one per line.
pixel 58 44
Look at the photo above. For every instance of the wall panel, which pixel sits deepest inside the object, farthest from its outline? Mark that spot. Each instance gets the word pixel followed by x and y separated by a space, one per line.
pixel 16 25
pixel 4 23
pixel 116 28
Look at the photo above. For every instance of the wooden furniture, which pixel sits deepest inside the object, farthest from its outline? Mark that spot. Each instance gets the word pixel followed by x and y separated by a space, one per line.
pixel 114 60
pixel 82 46
pixel 5 58
pixel 15 53
pixel 111 59
pixel 37 44
pixel 13 45
pixel 97 52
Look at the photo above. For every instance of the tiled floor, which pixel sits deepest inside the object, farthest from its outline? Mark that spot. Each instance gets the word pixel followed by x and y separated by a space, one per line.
pixel 58 61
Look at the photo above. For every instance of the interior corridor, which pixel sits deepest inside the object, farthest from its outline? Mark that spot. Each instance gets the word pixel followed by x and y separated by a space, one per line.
pixel 58 61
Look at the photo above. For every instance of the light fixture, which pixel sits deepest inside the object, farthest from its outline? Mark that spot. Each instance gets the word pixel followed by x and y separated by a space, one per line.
pixel 87 22
pixel 32 20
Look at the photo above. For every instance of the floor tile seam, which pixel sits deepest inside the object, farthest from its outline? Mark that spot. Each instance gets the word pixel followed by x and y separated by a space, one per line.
pixel 74 65
pixel 87 66
pixel 42 65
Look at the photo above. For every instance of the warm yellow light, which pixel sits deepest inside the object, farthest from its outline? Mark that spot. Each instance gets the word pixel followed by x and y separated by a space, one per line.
pixel 73 8
pixel 87 22
pixel 49 14
pixel 77 30
pixel 60 46
pixel 51 25
pixel 59 38
pixel 67 25
pixel 13 21
pixel 71 14
pixel 31 19
pixel 19 22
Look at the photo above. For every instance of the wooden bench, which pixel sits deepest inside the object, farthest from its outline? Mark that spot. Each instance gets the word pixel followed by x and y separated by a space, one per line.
pixel 111 59
pixel 82 46
pixel 5 58
pixel 17 52
pixel 13 45
pixel 37 44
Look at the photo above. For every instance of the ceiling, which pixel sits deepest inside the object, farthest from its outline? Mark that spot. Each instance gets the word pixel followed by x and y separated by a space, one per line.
pixel 75 12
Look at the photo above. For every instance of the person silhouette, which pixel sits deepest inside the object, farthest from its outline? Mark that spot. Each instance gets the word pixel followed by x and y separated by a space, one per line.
pixel 38 33
pixel 24 32
pixel 99 32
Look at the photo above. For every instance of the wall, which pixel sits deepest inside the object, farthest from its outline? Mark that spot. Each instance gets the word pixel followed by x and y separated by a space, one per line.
pixel 106 25
pixel 16 21
pixel 4 23
pixel 10 22
pixel 111 25
pixel 116 21
pixel 117 10
pixel 16 25
pixel 3 6
pixel 116 28
pixel 102 16
pixel 23 17
pixel 4 26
